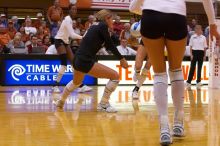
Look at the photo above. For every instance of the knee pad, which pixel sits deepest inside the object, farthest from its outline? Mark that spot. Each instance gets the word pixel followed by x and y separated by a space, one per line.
pixel 71 86
pixel 160 84
pixel 176 75
pixel 63 59
pixel 177 83
pixel 112 84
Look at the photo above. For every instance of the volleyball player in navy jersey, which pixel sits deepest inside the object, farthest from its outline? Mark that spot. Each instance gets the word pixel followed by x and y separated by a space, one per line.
pixel 84 61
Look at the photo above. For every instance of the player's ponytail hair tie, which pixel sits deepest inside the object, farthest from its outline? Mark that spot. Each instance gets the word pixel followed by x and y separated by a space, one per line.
pixel 102 14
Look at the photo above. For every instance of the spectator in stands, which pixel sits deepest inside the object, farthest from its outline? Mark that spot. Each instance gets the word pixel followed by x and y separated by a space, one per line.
pixel 3 20
pixel 206 32
pixel 37 23
pixel 46 29
pixel 132 20
pixel 75 28
pixel 24 37
pixel 82 32
pixel 124 49
pixel 33 43
pixel 193 24
pixel 15 22
pixel 40 33
pixel 118 26
pixel 79 24
pixel 4 38
pixel 55 16
pixel 15 43
pixel 41 44
pixel 11 29
pixel 46 40
pixel 125 33
pixel 28 27
pixel 91 21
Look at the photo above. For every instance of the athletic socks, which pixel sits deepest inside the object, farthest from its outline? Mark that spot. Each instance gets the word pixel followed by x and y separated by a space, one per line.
pixel 177 91
pixel 109 88
pixel 70 87
pixel 160 92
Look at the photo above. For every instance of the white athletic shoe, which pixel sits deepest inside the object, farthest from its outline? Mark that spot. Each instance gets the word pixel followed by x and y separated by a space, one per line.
pixel 178 129
pixel 165 136
pixel 187 85
pixel 84 89
pixel 56 89
pixel 135 95
pixel 106 108
pixel 59 104
pixel 199 84
pixel 178 126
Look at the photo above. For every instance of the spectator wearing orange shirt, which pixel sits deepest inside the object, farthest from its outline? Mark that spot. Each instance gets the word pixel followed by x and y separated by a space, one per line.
pixel 4 36
pixel 46 29
pixel 54 16
pixel 40 33
pixel 37 23
pixel 24 36
pixel 4 39
pixel 55 13
pixel 79 24
pixel 11 29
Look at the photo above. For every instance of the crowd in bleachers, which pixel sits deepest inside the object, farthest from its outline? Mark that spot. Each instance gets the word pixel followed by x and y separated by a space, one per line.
pixel 39 33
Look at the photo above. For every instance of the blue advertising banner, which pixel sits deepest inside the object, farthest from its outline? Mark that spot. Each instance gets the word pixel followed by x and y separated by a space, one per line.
pixel 37 72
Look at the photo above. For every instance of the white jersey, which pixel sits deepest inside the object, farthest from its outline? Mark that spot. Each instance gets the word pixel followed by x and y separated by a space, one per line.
pixel 166 6
pixel 66 31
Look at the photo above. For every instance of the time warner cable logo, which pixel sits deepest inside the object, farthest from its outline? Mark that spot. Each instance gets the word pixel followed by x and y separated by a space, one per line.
pixel 16 71
pixel 35 72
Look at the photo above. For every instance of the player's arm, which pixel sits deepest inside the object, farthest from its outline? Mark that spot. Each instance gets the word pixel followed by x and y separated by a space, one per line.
pixel 69 25
pixel 109 45
pixel 108 41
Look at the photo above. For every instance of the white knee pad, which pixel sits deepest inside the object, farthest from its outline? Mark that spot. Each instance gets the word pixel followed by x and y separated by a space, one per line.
pixel 62 69
pixel 177 83
pixel 160 84
pixel 176 75
pixel 112 84
pixel 71 86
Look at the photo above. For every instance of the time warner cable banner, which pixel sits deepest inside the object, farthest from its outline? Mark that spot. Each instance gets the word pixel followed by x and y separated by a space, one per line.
pixel 37 72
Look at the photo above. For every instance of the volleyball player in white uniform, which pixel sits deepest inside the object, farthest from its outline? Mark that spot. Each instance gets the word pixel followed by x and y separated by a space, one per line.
pixel 164 25
pixel 62 41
